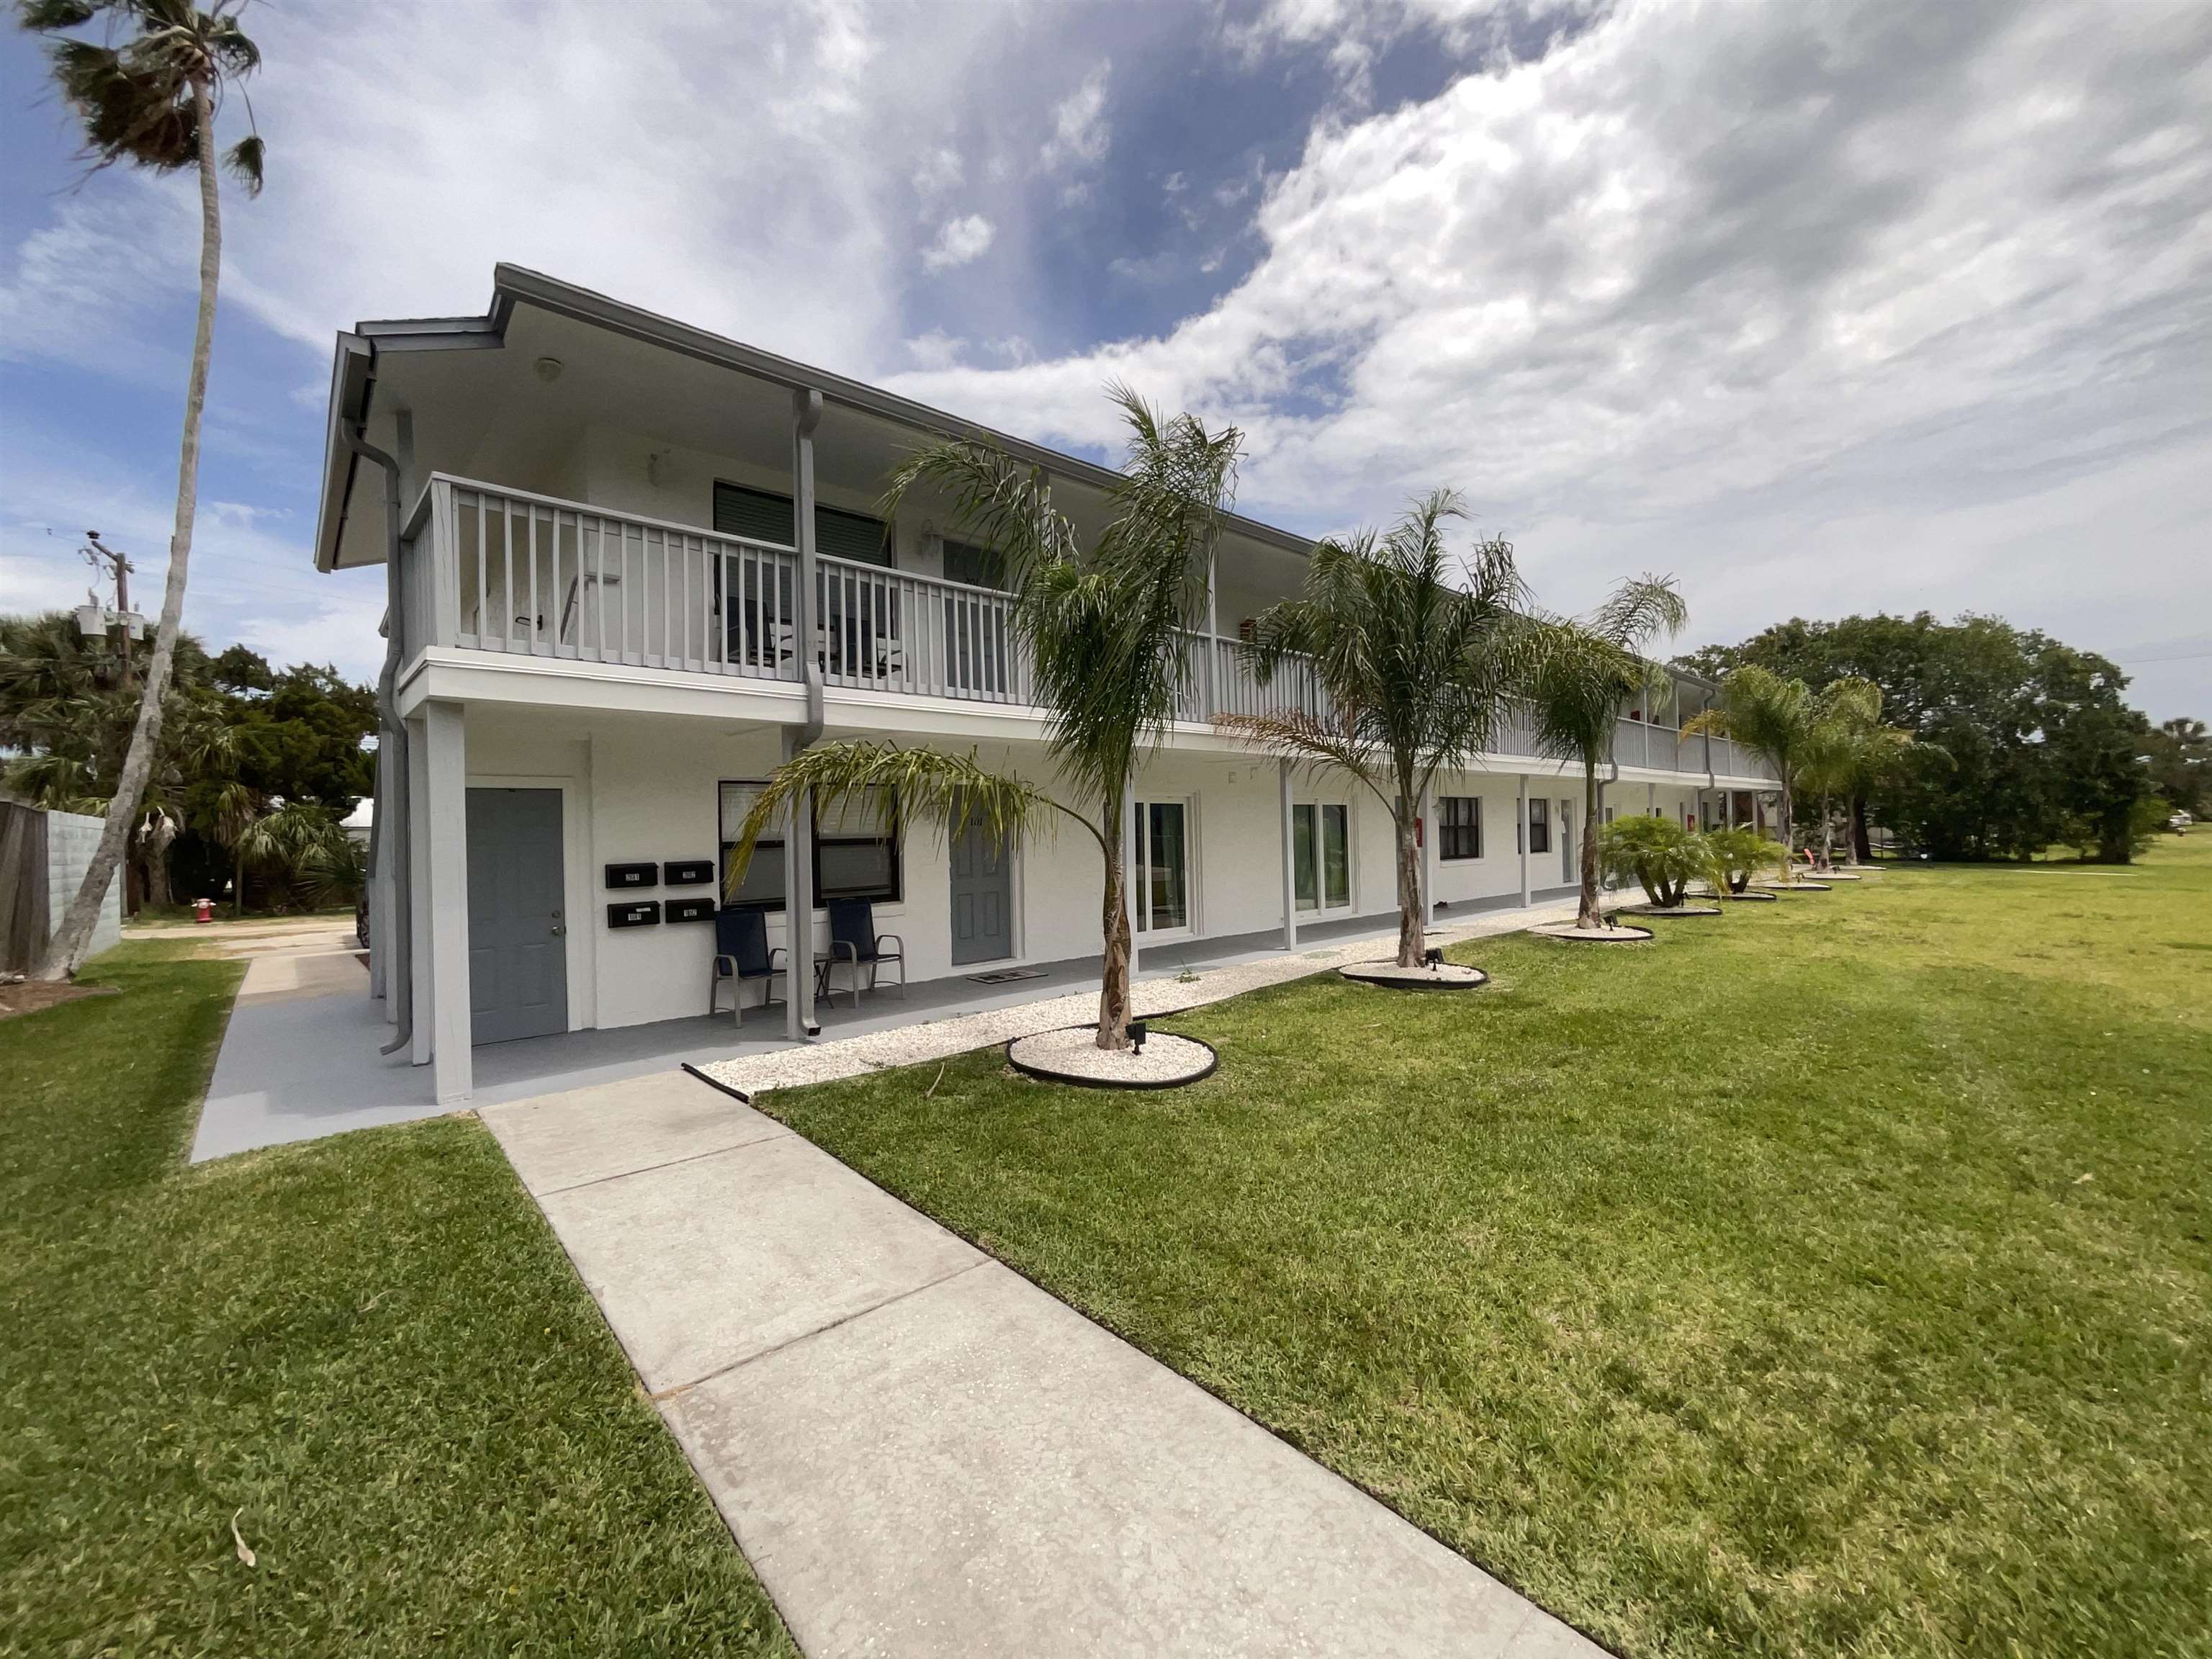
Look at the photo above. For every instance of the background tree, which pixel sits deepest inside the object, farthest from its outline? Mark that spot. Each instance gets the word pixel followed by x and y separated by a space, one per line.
pixel 1413 651
pixel 1583 674
pixel 2180 753
pixel 146 92
pixel 1844 743
pixel 1102 627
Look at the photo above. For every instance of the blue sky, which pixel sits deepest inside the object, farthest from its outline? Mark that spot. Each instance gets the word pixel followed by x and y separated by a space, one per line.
pixel 1820 309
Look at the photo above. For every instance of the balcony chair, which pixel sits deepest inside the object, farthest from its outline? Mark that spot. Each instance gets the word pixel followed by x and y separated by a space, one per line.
pixel 854 943
pixel 741 953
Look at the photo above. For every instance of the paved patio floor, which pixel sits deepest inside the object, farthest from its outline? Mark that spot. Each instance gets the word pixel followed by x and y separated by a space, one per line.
pixel 301 1057
pixel 923 1454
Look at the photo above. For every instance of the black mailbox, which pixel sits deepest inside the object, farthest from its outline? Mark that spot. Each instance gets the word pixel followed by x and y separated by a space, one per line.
pixel 701 909
pixel 633 875
pixel 644 912
pixel 692 873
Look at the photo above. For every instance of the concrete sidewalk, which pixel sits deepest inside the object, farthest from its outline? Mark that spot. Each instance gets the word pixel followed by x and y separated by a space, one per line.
pixel 922 1453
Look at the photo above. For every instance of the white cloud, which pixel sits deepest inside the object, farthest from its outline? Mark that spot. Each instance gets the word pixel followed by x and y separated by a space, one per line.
pixel 87 283
pixel 1080 135
pixel 935 350
pixel 939 171
pixel 1703 286
pixel 959 241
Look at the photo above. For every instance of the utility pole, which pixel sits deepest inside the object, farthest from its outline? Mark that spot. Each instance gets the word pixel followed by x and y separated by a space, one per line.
pixel 102 557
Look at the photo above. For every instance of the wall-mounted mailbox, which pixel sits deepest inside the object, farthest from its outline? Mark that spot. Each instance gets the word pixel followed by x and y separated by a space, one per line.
pixel 633 875
pixel 642 913
pixel 701 909
pixel 693 872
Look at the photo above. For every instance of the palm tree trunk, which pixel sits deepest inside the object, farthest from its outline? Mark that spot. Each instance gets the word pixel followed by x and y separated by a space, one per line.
pixel 238 878
pixel 1588 915
pixel 1827 834
pixel 1113 988
pixel 1410 931
pixel 1861 843
pixel 66 953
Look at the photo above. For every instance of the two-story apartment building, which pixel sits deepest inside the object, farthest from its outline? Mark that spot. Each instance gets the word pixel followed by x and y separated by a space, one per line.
pixel 631 564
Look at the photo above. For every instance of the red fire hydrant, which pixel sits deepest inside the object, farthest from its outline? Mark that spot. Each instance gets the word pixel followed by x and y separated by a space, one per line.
pixel 203 909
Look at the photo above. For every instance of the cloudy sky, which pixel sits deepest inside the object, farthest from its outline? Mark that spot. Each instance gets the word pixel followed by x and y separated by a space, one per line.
pixel 1820 309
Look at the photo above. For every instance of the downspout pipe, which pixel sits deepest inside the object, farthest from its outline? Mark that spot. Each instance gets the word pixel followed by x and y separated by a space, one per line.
pixel 389 833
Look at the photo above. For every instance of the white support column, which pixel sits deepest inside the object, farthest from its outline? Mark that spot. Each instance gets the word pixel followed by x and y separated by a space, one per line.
pixel 1289 858
pixel 1428 852
pixel 444 728
pixel 799 1020
pixel 424 991
pixel 1520 840
pixel 1212 704
pixel 381 886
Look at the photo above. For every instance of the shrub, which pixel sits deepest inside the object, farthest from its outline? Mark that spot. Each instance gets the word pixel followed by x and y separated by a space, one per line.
pixel 1735 857
pixel 1658 853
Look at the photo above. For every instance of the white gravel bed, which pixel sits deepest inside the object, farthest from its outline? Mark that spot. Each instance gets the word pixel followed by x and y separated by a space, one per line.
pixel 747 1075
pixel 1448 977
pixel 1592 935
pixel 1793 886
pixel 1672 910
pixel 1072 1056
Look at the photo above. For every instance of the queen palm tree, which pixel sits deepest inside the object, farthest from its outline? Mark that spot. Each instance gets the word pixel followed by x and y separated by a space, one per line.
pixel 1847 745
pixel 1410 662
pixel 1790 727
pixel 146 92
pixel 1102 629
pixel 1584 671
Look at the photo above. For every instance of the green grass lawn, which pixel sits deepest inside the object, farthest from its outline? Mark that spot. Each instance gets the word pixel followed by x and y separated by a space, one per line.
pixel 372 1351
pixel 1829 1277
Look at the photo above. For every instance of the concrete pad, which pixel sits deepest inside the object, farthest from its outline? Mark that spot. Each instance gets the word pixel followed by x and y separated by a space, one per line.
pixel 279 978
pixel 701 1264
pixel 564 1140
pixel 977 1469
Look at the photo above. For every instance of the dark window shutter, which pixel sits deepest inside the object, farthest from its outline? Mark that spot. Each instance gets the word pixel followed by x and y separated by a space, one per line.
pixel 839 535
pixel 755 514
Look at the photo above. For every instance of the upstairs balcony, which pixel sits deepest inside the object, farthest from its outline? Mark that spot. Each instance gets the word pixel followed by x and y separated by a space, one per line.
pixel 489 569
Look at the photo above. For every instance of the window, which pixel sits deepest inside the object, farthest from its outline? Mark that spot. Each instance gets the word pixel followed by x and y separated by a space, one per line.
pixel 856 851
pixel 1540 826
pixel 978 566
pixel 1320 856
pixel 1459 827
pixel 762 516
pixel 1162 868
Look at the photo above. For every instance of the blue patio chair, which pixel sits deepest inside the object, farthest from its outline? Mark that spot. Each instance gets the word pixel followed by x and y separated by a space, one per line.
pixel 855 942
pixel 741 954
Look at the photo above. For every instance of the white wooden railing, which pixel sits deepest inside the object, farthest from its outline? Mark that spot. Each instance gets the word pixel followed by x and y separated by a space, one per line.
pixel 490 569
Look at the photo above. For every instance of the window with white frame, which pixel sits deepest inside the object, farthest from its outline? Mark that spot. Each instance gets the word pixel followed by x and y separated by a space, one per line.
pixel 1540 826
pixel 1162 866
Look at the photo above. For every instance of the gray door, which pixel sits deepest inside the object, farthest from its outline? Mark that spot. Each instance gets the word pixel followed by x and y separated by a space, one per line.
pixel 982 897
pixel 518 957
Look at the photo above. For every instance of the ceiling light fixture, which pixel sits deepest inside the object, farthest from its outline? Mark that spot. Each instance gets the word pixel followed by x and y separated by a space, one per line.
pixel 548 369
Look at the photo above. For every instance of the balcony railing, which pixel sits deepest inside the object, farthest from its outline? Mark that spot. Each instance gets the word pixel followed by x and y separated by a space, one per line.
pixel 490 569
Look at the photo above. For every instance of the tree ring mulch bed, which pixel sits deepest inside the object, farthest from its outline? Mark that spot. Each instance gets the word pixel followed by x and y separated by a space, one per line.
pixel 1450 977
pixel 1838 875
pixel 1796 886
pixel 1072 1054
pixel 29 996
pixel 1672 910
pixel 1567 930
pixel 1748 898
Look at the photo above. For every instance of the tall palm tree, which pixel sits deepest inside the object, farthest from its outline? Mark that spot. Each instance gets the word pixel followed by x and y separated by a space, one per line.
pixel 1848 744
pixel 1790 726
pixel 1411 665
pixel 1585 671
pixel 146 92
pixel 1102 629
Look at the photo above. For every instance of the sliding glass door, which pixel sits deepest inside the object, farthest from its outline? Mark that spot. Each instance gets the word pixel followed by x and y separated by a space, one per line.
pixel 1162 864
pixel 1320 856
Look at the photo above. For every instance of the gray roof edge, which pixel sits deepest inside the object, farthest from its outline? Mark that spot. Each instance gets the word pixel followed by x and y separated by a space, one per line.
pixel 352 362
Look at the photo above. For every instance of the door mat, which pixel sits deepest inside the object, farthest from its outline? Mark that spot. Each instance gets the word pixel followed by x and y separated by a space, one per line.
pixel 1006 976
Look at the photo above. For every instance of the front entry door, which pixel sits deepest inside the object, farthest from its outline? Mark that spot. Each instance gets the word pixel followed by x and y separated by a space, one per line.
pixel 518 957
pixel 983 897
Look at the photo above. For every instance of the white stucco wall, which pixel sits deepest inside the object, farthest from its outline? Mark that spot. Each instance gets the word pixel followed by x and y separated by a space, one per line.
pixel 71 840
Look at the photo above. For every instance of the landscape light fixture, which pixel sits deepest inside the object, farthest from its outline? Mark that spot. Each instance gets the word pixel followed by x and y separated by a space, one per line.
pixel 1137 1035
pixel 1433 957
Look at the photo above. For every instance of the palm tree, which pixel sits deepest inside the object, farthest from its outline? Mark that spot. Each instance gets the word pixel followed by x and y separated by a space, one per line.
pixel 1584 671
pixel 1411 665
pixel 1847 745
pixel 147 93
pixel 1792 728
pixel 1102 630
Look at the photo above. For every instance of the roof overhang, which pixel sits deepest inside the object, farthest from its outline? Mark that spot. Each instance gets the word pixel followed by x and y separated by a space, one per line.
pixel 353 383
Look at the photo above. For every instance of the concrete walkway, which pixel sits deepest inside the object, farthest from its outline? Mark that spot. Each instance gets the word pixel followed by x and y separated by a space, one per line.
pixel 923 1454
